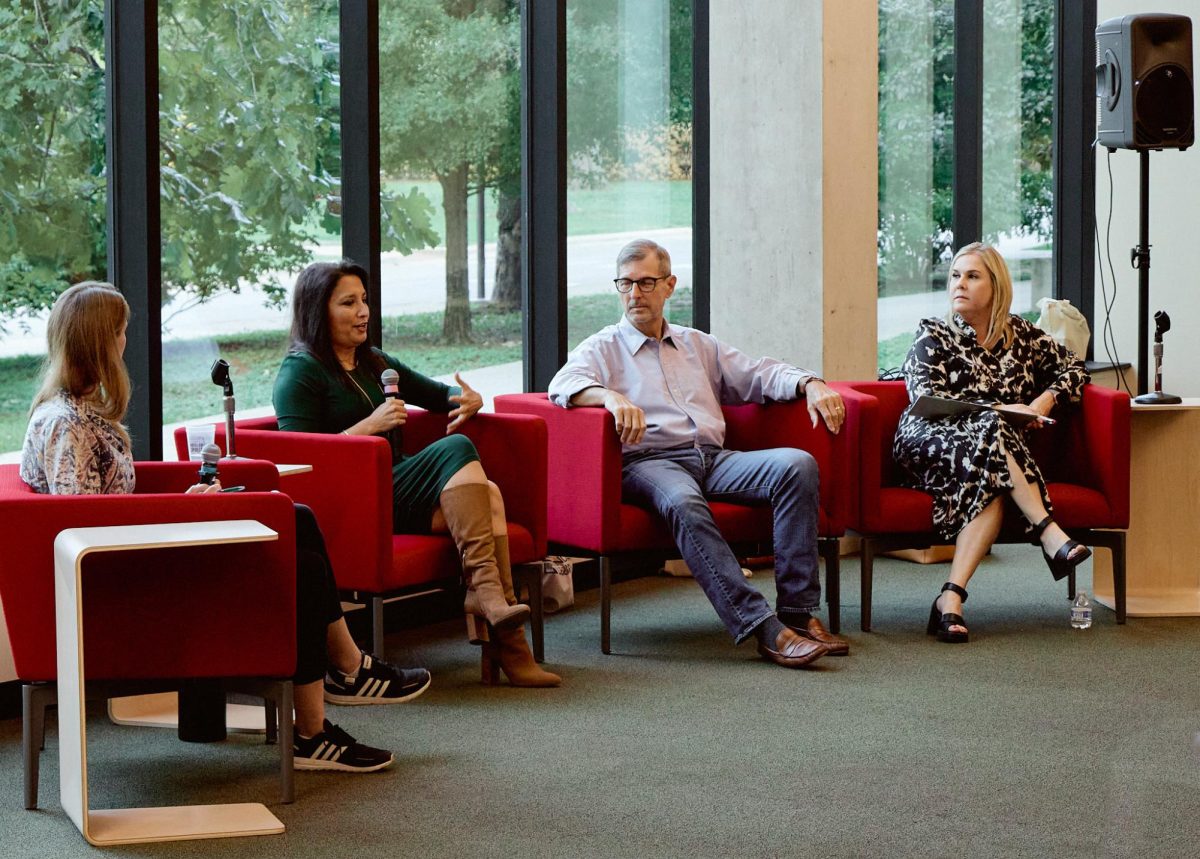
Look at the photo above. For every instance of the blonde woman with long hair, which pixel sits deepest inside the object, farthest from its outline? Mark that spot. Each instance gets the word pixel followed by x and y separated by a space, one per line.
pixel 983 353
pixel 76 445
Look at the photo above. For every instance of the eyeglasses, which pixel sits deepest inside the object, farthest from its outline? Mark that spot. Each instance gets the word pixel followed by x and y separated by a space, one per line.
pixel 646 284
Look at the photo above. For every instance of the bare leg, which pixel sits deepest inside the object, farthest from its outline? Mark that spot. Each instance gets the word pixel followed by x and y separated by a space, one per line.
pixel 974 541
pixel 1029 501
pixel 344 654
pixel 309 700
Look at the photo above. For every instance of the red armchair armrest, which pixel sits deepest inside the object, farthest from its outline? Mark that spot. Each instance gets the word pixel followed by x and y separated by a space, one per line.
pixel 583 458
pixel 1103 457
pixel 787 424
pixel 863 435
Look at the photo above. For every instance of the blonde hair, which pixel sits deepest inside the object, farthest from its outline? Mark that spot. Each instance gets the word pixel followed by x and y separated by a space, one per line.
pixel 83 357
pixel 1000 321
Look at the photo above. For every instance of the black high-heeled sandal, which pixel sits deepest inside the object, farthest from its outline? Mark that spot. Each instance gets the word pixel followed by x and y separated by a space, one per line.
pixel 1063 561
pixel 939 623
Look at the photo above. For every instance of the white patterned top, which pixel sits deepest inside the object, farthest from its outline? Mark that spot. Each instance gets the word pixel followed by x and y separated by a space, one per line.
pixel 71 450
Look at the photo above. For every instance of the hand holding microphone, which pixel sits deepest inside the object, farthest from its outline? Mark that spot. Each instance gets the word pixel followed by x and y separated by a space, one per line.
pixel 392 412
pixel 207 480
pixel 394 406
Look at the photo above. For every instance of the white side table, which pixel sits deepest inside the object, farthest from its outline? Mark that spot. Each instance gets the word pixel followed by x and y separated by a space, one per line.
pixel 132 825
pixel 288 469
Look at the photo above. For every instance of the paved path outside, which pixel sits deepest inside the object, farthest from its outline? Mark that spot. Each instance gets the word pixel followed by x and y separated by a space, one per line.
pixel 410 284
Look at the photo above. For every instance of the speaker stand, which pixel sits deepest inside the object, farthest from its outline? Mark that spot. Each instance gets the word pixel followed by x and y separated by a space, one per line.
pixel 1140 258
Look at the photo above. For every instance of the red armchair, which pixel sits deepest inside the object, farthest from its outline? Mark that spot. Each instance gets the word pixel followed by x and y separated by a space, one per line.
pixel 1084 459
pixel 350 491
pixel 213 612
pixel 585 508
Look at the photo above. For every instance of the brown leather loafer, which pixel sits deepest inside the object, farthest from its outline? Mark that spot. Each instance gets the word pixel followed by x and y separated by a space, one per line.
pixel 814 630
pixel 793 651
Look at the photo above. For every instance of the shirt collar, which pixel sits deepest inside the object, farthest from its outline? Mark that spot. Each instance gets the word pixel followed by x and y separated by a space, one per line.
pixel 964 326
pixel 634 339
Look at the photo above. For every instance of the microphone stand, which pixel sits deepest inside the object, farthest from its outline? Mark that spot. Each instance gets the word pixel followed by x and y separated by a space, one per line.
pixel 1157 397
pixel 229 406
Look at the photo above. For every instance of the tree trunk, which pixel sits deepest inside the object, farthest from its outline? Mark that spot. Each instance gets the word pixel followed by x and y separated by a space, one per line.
pixel 456 323
pixel 506 295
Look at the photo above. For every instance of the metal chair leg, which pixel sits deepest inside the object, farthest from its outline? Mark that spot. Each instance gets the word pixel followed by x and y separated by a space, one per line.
pixel 537 622
pixel 377 645
pixel 605 604
pixel 831 548
pixel 867 570
pixel 1118 568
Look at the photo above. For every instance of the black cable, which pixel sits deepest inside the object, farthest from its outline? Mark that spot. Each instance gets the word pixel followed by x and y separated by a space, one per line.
pixel 1107 336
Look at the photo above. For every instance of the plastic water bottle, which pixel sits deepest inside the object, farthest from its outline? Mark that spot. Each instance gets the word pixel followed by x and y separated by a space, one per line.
pixel 1081 611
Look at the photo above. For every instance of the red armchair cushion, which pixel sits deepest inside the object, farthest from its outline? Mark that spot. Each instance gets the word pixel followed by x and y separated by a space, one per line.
pixel 350 491
pixel 584 492
pixel 202 612
pixel 1084 459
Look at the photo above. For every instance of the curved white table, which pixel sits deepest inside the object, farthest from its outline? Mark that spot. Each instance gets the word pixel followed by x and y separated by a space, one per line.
pixel 132 825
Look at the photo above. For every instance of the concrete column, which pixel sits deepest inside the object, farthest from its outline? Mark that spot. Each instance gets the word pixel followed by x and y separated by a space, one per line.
pixel 794 181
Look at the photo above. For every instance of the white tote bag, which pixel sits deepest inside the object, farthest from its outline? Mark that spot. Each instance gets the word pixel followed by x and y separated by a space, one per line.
pixel 1065 324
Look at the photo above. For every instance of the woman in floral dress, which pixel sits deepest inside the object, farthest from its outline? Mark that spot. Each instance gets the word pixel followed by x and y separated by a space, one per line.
pixel 982 353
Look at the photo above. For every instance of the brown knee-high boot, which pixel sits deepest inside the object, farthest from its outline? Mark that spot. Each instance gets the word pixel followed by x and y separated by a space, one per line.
pixel 511 650
pixel 468 512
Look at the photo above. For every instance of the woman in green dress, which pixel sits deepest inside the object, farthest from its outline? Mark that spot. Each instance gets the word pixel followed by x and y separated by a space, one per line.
pixel 330 382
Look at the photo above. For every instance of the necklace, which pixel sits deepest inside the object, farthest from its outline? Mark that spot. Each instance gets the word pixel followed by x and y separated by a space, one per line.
pixel 370 405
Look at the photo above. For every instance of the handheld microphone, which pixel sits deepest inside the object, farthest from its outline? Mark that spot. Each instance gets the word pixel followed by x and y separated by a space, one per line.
pixel 208 464
pixel 390 380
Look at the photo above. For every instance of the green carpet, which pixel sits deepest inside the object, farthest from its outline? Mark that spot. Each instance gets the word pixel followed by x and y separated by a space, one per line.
pixel 1033 740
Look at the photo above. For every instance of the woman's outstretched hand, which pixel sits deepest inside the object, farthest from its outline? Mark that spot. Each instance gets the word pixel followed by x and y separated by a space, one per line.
pixel 469 402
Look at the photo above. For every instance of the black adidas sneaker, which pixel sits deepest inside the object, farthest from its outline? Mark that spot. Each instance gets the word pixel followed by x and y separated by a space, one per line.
pixel 334 749
pixel 377 682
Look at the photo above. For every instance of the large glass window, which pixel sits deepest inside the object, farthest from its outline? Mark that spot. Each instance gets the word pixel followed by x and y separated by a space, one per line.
pixel 1018 143
pixel 52 184
pixel 916 164
pixel 450 164
pixel 629 144
pixel 250 160
pixel 916 156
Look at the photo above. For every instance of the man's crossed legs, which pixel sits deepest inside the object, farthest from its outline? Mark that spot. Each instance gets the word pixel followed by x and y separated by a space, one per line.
pixel 679 483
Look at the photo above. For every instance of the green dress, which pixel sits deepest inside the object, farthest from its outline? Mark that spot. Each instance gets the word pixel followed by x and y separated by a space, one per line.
pixel 309 398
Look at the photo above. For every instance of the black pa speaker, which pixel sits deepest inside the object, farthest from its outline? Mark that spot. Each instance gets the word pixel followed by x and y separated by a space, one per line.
pixel 1144 82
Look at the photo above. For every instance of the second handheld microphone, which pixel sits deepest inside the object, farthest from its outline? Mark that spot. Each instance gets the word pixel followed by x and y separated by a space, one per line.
pixel 390 380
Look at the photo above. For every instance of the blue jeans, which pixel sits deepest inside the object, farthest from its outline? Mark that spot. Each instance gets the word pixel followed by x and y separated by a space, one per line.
pixel 678 484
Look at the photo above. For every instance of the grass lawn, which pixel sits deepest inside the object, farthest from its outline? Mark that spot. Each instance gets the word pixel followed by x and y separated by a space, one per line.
pixel 254 358
pixel 617 207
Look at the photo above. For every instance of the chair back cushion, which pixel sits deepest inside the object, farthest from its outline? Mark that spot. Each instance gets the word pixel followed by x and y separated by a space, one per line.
pixel 198 612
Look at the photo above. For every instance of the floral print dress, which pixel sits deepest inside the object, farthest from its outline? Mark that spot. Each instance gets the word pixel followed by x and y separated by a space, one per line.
pixel 961 461
pixel 71 450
